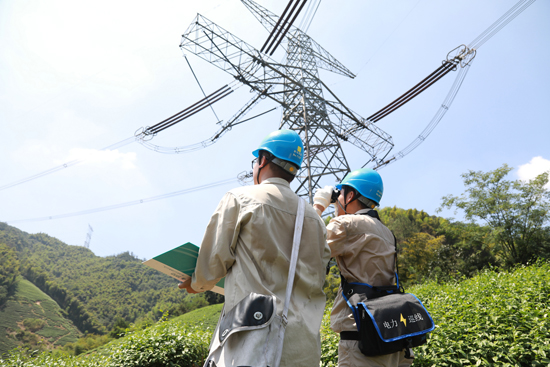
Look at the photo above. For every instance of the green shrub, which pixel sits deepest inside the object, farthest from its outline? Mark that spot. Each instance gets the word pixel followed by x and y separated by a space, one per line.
pixel 166 344
pixel 329 341
pixel 495 318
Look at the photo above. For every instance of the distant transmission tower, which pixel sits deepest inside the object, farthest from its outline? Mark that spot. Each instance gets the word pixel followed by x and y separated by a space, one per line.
pixel 88 236
pixel 323 123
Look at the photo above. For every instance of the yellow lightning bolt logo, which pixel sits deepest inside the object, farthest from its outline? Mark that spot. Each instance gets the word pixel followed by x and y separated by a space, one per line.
pixel 403 320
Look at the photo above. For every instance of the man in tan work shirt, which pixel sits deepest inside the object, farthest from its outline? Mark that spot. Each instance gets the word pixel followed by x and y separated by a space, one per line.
pixel 249 241
pixel 364 250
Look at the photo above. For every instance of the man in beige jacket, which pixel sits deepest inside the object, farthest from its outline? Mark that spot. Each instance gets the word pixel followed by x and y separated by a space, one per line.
pixel 364 250
pixel 249 240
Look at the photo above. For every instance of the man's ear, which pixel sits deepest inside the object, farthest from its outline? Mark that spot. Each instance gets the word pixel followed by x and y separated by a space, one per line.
pixel 350 197
pixel 262 162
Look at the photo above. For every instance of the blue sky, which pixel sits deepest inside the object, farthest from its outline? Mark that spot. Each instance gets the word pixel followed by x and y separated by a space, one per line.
pixel 79 76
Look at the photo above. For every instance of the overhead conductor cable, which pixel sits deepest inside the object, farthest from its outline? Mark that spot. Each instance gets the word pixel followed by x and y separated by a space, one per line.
pixel 281 29
pixel 439 73
pixel 287 28
pixel 465 57
pixel 128 203
pixel 66 164
pixel 190 111
pixel 450 65
pixel 155 129
pixel 276 27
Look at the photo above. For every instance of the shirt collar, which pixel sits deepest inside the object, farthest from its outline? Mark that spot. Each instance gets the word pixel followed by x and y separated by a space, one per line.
pixel 276 181
pixel 363 211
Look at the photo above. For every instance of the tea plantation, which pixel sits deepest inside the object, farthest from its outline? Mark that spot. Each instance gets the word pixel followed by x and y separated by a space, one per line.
pixel 33 318
pixel 493 319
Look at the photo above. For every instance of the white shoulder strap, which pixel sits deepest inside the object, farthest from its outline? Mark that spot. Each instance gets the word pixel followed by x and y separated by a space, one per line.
pixel 291 273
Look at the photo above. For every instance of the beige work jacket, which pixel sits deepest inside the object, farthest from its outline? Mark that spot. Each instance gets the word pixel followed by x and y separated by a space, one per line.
pixel 249 241
pixel 365 252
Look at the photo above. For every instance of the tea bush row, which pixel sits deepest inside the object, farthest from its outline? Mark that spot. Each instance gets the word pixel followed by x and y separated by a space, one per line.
pixel 493 319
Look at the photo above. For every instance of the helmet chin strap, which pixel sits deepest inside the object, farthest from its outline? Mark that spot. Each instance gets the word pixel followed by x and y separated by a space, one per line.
pixel 344 207
pixel 267 160
pixel 340 205
pixel 258 176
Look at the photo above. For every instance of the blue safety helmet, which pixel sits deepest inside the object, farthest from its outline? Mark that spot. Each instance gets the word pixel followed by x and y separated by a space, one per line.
pixel 367 182
pixel 285 145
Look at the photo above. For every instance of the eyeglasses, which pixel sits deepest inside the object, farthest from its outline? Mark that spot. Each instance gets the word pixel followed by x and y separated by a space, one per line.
pixel 254 162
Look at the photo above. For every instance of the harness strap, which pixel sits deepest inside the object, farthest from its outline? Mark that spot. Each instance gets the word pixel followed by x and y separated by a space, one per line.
pixel 350 335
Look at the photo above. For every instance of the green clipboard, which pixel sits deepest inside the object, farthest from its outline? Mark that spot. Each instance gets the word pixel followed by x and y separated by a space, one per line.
pixel 180 263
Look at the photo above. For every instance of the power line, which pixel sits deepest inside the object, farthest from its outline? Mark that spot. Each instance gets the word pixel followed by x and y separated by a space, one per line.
pixel 464 55
pixel 389 36
pixel 279 33
pixel 309 15
pixel 149 131
pixel 433 122
pixel 66 164
pixel 203 144
pixel 128 203
pixel 190 111
pixel 500 23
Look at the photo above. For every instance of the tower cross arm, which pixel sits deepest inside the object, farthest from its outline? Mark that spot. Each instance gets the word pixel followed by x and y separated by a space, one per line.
pixel 264 16
pixel 219 47
pixel 328 62
pixel 323 58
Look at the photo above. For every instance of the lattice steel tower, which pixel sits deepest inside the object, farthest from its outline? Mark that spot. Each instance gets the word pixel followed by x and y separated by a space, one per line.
pixel 323 123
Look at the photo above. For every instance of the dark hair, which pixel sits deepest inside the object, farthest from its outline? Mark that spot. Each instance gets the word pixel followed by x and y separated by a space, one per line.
pixel 279 171
pixel 357 196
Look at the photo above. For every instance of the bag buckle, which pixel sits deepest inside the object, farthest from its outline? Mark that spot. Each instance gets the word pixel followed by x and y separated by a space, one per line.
pixel 284 320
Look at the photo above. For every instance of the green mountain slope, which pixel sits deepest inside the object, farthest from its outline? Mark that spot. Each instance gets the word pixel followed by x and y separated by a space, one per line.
pixel 95 291
pixel 31 318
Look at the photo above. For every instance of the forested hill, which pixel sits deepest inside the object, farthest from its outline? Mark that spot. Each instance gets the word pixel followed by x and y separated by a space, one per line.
pixel 95 292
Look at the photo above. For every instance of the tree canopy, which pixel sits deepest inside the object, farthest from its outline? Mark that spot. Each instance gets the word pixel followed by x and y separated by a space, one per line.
pixel 518 212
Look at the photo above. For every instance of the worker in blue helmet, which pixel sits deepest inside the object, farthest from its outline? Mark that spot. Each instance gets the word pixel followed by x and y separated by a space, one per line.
pixel 365 251
pixel 249 241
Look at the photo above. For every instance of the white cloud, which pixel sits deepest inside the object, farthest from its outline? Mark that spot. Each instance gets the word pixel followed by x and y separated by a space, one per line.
pixel 535 167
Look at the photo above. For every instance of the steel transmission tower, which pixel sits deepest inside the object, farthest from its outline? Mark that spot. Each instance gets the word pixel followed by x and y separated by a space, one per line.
pixel 323 123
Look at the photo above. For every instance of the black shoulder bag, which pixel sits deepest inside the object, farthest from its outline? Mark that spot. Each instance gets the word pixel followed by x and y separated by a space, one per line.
pixel 388 319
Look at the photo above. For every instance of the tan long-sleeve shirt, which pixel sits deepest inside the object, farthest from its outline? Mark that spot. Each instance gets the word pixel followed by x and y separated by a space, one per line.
pixel 249 241
pixel 365 252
